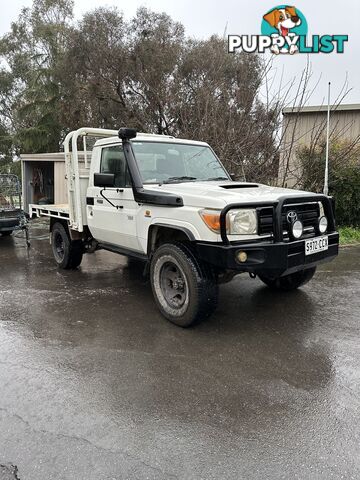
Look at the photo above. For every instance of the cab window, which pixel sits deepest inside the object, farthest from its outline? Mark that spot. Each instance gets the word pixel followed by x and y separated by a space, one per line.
pixel 113 161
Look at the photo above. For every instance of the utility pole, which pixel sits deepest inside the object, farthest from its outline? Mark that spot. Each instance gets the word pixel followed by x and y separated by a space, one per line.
pixel 326 178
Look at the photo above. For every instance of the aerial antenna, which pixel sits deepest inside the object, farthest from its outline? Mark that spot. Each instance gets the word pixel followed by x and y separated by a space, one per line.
pixel 225 30
pixel 326 178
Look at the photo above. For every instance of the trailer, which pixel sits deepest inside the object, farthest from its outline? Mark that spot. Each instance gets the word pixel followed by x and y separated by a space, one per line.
pixel 12 215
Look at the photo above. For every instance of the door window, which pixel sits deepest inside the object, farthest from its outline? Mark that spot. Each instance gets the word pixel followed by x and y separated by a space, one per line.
pixel 113 161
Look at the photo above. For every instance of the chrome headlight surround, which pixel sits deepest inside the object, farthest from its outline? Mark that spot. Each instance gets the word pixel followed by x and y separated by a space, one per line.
pixel 242 221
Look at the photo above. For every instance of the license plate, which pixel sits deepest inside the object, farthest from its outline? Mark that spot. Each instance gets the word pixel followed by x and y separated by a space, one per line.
pixel 316 245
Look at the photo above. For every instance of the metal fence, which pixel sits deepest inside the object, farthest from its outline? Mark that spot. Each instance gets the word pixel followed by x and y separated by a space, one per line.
pixel 10 192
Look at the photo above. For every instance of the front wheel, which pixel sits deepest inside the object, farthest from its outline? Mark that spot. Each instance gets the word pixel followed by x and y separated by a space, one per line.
pixel 7 233
pixel 291 281
pixel 67 253
pixel 185 289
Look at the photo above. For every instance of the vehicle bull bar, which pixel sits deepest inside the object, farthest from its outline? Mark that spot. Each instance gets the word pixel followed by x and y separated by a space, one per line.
pixel 327 203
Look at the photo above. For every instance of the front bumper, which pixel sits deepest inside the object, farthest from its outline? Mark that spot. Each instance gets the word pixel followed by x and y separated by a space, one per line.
pixel 278 256
pixel 272 259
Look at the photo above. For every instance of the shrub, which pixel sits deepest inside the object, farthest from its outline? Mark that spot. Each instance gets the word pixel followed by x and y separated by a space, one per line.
pixel 344 178
pixel 345 188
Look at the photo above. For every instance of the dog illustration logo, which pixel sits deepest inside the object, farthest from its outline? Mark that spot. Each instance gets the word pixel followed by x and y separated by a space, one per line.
pixel 284 30
pixel 284 21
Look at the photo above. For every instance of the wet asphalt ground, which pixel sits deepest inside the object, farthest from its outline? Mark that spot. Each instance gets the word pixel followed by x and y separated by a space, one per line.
pixel 95 384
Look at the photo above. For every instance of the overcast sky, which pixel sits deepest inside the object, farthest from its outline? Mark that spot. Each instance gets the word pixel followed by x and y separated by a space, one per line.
pixel 202 18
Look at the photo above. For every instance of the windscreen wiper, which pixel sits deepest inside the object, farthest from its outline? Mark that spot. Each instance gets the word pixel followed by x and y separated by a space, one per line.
pixel 216 178
pixel 178 179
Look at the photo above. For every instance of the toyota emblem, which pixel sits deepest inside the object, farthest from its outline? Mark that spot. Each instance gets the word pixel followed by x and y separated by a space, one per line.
pixel 291 216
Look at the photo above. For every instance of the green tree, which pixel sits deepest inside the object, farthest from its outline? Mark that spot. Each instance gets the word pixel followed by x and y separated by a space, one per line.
pixel 32 52
pixel 216 100
pixel 107 72
pixel 147 74
pixel 94 71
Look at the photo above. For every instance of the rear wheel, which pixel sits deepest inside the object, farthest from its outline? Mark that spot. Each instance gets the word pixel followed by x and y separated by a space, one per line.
pixel 185 290
pixel 289 282
pixel 67 253
pixel 7 233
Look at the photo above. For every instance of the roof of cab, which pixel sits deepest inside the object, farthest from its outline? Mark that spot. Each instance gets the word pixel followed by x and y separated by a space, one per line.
pixel 149 137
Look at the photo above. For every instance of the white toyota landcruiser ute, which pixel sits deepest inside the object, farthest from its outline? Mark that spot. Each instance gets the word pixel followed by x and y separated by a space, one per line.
pixel 170 203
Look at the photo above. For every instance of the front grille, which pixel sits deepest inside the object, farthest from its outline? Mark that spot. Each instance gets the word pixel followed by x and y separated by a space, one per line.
pixel 308 213
pixel 265 220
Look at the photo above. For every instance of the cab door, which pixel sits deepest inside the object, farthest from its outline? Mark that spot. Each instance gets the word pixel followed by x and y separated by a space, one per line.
pixel 108 224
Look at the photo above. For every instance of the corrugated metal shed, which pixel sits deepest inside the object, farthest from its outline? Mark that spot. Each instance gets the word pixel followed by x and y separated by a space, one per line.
pixel 304 126
pixel 322 108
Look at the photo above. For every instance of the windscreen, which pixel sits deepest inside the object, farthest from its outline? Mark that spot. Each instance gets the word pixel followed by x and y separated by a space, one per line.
pixel 161 162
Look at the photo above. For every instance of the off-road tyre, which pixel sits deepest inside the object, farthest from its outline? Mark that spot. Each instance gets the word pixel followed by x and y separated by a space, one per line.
pixel 185 289
pixel 67 253
pixel 289 282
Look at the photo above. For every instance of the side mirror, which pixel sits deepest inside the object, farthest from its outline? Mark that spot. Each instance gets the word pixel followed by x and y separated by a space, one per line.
pixel 233 176
pixel 104 180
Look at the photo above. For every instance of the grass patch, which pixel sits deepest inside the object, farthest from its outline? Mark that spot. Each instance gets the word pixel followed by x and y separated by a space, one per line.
pixel 349 235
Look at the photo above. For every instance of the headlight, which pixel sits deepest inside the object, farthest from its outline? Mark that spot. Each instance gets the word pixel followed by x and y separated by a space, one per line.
pixel 297 229
pixel 238 222
pixel 323 224
pixel 242 222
